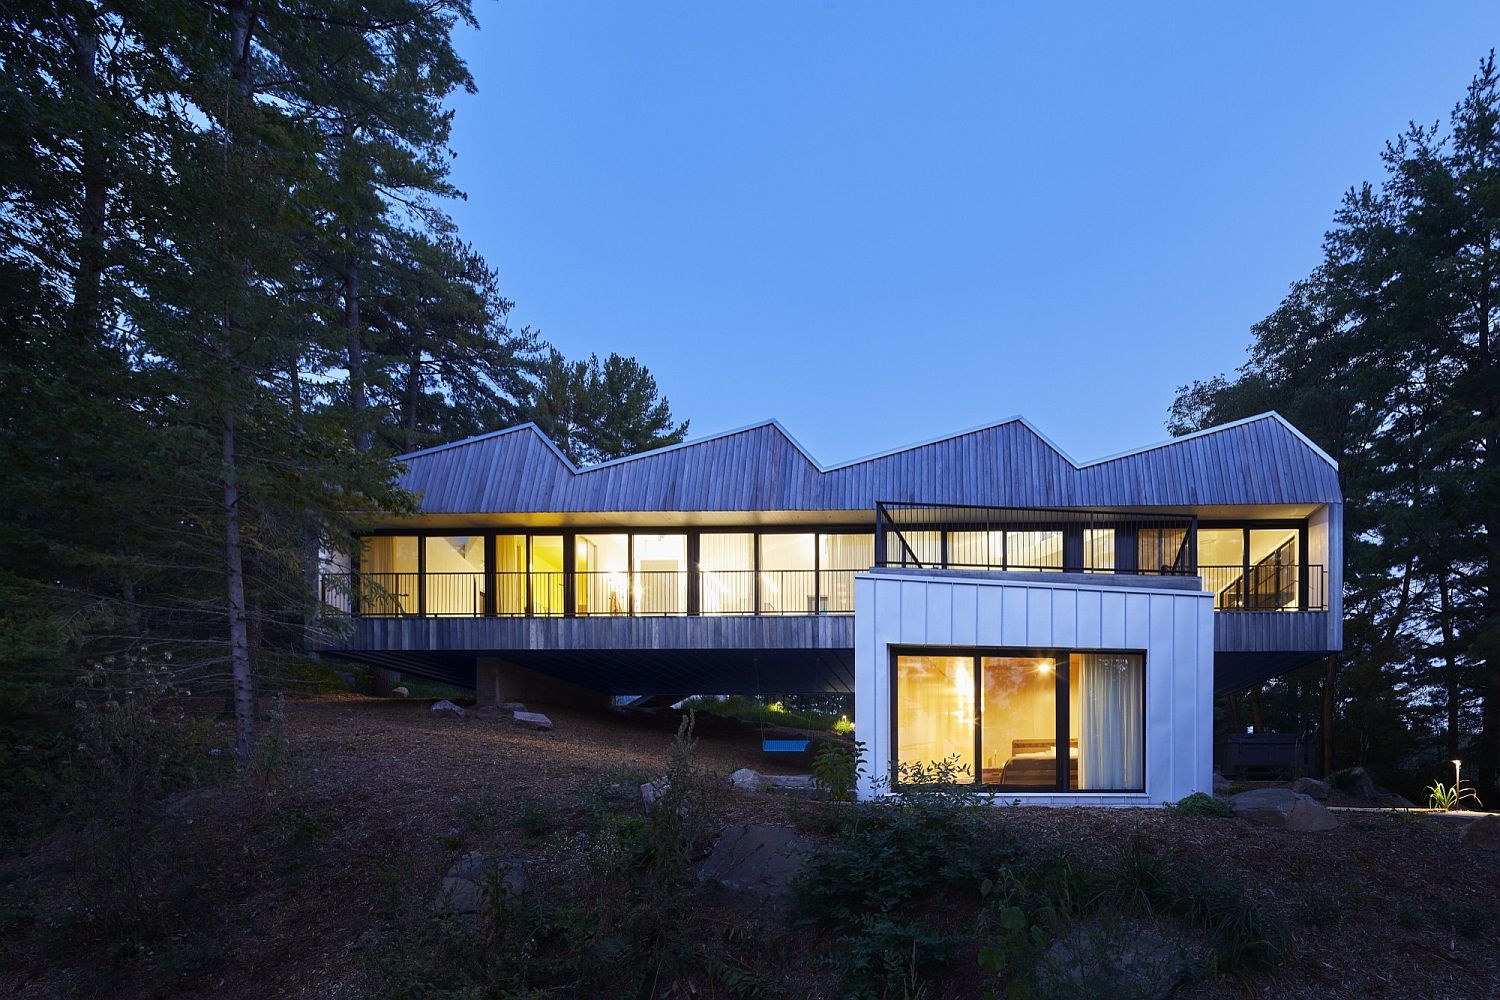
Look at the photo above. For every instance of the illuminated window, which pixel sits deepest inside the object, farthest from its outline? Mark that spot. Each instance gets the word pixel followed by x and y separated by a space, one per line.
pixel 602 567
pixel 839 558
pixel 935 710
pixel 388 575
pixel 547 583
pixel 510 575
pixel 727 581
pixel 786 574
pixel 660 577
pixel 1019 736
pixel 455 575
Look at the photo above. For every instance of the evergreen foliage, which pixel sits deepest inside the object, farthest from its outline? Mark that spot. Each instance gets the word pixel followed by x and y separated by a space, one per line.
pixel 1387 356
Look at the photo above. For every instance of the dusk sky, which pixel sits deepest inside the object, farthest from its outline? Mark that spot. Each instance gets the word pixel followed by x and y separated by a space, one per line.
pixel 881 223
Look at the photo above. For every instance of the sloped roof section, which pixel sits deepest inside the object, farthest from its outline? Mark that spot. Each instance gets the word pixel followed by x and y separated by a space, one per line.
pixel 1259 460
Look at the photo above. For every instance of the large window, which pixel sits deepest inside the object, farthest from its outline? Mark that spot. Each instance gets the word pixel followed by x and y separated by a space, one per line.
pixel 787 571
pixel 839 558
pixel 727 560
pixel 455 577
pixel 510 574
pixel 1038 721
pixel 602 564
pixel 548 586
pixel 660 570
pixel 935 710
pixel 389 581
pixel 1251 569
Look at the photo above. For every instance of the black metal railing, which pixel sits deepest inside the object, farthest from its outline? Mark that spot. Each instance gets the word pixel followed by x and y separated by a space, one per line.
pixel 639 593
pixel 1011 539
pixel 1267 587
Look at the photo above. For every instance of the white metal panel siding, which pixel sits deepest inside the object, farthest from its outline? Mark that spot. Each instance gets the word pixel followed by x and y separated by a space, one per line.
pixel 1174 628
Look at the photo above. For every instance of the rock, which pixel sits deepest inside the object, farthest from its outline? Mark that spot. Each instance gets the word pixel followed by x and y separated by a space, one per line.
pixel 1284 809
pixel 1483 833
pixel 789 782
pixel 1358 781
pixel 1312 786
pixel 532 720
pixel 746 779
pixel 446 707
pixel 1115 957
pixel 652 791
pixel 400 692
pixel 464 887
pixel 1221 784
pixel 511 706
pixel 491 713
pixel 757 858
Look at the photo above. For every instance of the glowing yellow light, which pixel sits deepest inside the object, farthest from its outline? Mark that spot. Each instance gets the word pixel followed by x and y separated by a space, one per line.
pixel 1046 666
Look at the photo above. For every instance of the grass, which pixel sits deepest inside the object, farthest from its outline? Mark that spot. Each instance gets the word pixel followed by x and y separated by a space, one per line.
pixel 758 711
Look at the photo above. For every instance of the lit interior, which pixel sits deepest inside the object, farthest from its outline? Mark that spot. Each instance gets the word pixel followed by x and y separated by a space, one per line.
pixel 728 581
pixel 455 575
pixel 935 710
pixel 660 574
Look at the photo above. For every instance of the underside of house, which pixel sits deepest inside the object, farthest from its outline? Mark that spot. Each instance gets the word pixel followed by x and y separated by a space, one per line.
pixel 986 598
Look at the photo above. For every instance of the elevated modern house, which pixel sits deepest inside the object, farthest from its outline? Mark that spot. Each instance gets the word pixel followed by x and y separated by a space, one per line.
pixel 983 595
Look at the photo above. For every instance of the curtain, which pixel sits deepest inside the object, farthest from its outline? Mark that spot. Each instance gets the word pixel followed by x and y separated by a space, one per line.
pixel 1111 724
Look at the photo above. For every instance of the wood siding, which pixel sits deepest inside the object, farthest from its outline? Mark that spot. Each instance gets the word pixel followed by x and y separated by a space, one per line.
pixel 1259 461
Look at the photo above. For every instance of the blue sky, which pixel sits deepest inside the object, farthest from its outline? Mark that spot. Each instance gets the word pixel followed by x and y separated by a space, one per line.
pixel 885 222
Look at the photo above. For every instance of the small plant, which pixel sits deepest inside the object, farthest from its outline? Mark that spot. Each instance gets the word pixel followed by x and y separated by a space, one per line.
pixel 1200 804
pixel 478 811
pixel 1468 920
pixel 1447 798
pixel 534 818
pixel 836 769
pixel 843 726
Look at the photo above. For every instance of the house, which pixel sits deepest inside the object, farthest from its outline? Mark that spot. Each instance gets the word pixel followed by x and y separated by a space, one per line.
pixel 1059 628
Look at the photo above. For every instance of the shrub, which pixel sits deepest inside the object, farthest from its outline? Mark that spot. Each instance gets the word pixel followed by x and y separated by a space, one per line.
pixel 534 818
pixel 836 768
pixel 1202 805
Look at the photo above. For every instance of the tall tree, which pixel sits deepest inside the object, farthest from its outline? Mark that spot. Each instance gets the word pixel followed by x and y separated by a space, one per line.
pixel 597 411
pixel 1387 357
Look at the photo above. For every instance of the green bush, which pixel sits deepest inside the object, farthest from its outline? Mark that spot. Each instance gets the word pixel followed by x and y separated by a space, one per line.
pixel 836 768
pixel 1200 804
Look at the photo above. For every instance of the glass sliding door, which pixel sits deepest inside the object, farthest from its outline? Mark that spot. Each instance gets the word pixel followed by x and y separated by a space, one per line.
pixel 602 572
pixel 839 558
pixel 726 563
pixel 1019 730
pixel 1099 550
pixel 1034 550
pixel 1221 564
pixel 388 580
pixel 1107 721
pixel 455 577
pixel 787 586
pixel 1038 720
pixel 935 711
pixel 659 566
pixel 976 549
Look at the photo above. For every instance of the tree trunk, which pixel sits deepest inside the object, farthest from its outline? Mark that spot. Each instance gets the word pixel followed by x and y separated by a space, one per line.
pixel 364 435
pixel 1330 679
pixel 413 396
pixel 1236 721
pixel 239 637
pixel 1255 716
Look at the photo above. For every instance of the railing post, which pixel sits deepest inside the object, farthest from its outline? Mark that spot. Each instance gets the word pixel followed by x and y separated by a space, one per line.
pixel 422 576
pixel 880 534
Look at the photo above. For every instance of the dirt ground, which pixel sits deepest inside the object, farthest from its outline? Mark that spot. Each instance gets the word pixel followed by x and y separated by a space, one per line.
pixel 377 783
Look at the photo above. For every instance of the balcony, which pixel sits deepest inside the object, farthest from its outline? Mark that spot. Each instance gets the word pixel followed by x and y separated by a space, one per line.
pixel 639 594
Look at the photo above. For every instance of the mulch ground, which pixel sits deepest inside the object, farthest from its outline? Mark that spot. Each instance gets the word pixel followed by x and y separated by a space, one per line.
pixel 378 782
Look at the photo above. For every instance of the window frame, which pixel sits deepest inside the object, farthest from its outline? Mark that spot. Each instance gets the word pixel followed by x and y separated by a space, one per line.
pixel 1062 655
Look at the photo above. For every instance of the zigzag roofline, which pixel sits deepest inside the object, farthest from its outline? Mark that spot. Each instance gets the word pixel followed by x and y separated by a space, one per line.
pixel 781 429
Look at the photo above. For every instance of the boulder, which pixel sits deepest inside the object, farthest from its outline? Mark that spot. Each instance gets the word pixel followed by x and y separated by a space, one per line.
pixel 1283 809
pixel 1483 833
pixel 492 713
pixel 652 791
pixel 400 692
pixel 446 707
pixel 511 706
pixel 789 782
pixel 1116 957
pixel 1221 784
pixel 1312 786
pixel 1358 781
pixel 756 858
pixel 532 720
pixel 464 886
pixel 747 779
